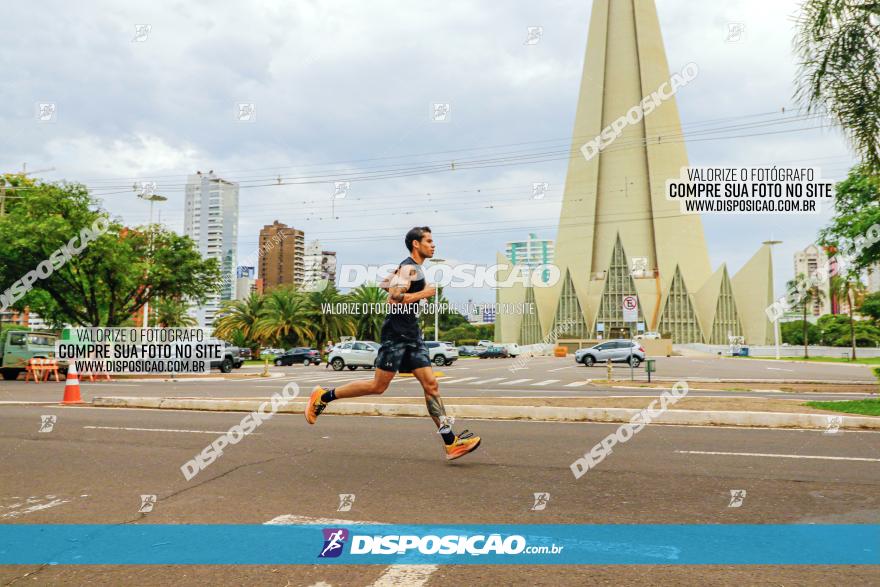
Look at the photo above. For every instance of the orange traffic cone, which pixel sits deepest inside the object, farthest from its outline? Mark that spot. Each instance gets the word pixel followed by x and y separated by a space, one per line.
pixel 71 387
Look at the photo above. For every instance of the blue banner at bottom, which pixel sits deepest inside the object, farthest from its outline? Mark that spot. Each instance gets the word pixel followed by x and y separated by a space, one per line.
pixel 656 544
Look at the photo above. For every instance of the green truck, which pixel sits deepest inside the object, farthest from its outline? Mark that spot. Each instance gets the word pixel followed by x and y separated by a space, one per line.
pixel 17 346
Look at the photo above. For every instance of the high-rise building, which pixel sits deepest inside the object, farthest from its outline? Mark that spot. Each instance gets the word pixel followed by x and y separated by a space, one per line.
pixel 619 236
pixel 282 258
pixel 319 265
pixel 532 253
pixel 210 218
pixel 808 263
pixel 245 282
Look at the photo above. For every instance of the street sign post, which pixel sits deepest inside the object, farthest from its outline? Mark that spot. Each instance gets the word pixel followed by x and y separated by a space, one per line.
pixel 630 315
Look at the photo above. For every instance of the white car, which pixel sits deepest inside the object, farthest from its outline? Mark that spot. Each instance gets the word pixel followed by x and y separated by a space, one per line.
pixel 648 336
pixel 442 353
pixel 484 344
pixel 353 354
pixel 512 349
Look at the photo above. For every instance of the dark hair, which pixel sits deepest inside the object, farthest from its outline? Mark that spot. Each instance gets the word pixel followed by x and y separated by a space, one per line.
pixel 415 234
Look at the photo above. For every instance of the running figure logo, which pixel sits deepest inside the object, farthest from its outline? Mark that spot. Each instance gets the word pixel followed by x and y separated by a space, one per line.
pixel 334 541
pixel 541 501
pixel 346 500
pixel 737 497
pixel 147 503
pixel 47 423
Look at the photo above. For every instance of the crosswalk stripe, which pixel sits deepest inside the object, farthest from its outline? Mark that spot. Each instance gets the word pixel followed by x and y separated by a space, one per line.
pixel 515 381
pixel 492 380
pixel 577 384
pixel 546 382
pixel 461 380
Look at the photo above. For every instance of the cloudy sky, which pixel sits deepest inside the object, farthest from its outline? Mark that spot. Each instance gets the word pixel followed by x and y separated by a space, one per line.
pixel 345 89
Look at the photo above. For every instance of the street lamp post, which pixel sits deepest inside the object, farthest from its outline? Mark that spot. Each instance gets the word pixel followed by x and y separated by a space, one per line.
pixel 436 261
pixel 152 198
pixel 770 243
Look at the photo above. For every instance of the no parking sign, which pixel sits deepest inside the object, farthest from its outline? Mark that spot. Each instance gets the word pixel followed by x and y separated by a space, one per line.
pixel 630 309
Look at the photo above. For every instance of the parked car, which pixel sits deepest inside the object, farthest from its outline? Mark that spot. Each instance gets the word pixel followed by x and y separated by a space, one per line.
pixel 246 354
pixel 466 350
pixel 353 354
pixel 512 349
pixel 493 352
pixel 442 353
pixel 303 355
pixel 271 353
pixel 648 336
pixel 619 351
pixel 485 344
pixel 19 346
pixel 231 360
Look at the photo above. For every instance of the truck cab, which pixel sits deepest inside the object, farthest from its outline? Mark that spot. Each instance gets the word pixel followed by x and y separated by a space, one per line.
pixel 19 346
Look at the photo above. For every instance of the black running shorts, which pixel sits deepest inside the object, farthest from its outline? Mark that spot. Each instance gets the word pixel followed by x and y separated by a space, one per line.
pixel 403 356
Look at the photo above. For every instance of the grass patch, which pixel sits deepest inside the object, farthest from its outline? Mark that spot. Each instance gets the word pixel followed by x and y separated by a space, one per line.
pixel 865 407
pixel 865 361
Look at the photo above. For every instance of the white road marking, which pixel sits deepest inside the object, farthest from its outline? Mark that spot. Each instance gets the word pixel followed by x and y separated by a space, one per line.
pixel 776 456
pixel 33 508
pixel 461 380
pixel 779 369
pixel 405 575
pixel 394 575
pixel 577 384
pixel 515 381
pixel 157 430
pixel 546 382
pixel 484 381
pixel 563 368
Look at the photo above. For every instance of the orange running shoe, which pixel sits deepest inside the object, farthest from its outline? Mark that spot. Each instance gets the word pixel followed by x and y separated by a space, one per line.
pixel 315 405
pixel 463 444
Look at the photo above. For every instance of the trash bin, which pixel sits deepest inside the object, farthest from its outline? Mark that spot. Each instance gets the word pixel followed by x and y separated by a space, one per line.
pixel 650 367
pixel 744 351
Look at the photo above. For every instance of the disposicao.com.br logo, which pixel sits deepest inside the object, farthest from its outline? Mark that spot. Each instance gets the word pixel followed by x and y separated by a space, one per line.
pixel 451 544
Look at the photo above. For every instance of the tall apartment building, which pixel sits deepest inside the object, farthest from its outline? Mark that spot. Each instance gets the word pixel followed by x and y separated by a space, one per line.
pixel 807 263
pixel 211 219
pixel 532 253
pixel 282 258
pixel 319 264
pixel 245 282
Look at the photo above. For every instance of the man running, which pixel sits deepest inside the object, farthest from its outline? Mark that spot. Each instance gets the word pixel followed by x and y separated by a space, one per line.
pixel 403 348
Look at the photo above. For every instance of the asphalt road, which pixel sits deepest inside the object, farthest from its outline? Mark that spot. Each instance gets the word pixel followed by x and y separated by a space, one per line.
pixel 96 463
pixel 537 377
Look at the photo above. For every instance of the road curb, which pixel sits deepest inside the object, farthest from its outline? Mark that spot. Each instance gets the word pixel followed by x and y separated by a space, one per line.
pixel 538 413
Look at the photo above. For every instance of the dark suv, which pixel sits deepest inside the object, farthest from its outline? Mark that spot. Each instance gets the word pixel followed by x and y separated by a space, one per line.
pixel 303 355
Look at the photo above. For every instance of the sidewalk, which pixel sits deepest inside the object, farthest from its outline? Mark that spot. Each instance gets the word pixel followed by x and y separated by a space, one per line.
pixel 748 412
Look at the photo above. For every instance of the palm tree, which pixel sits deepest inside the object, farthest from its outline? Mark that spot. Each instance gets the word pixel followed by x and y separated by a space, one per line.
pixel 811 295
pixel 172 313
pixel 838 42
pixel 369 324
pixel 327 325
pixel 240 316
pixel 848 289
pixel 285 318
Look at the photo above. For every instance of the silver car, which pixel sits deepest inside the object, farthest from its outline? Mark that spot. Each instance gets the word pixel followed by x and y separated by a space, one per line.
pixel 619 351
pixel 353 354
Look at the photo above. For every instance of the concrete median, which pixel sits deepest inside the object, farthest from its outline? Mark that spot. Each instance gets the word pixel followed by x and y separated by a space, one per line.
pixel 545 413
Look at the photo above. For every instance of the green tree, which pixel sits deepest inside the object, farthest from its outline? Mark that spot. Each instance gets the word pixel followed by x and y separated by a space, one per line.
pixel 285 319
pixel 173 313
pixel 793 333
pixel 241 316
pixel 847 289
pixel 855 212
pixel 870 306
pixel 109 280
pixel 327 325
pixel 369 324
pixel 838 42
pixel 811 294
